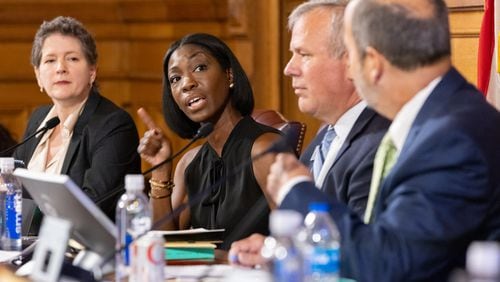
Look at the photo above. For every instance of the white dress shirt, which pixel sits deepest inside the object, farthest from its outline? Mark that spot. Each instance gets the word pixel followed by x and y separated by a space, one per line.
pixel 342 128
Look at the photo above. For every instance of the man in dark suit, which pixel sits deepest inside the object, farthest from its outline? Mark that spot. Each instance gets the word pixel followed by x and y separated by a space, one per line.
pixel 437 187
pixel 318 68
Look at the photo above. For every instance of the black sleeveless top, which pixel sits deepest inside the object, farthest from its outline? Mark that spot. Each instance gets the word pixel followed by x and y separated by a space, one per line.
pixel 228 204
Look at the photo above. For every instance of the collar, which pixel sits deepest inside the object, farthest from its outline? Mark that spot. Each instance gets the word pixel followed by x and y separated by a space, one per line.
pixel 404 119
pixel 345 123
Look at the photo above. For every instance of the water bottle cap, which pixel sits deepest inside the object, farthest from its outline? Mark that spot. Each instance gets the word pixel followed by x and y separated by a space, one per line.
pixel 134 182
pixel 6 163
pixel 284 222
pixel 319 206
pixel 483 259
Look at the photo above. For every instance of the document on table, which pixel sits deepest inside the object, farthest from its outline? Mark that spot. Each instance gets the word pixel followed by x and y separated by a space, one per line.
pixel 197 234
pixel 8 255
pixel 215 272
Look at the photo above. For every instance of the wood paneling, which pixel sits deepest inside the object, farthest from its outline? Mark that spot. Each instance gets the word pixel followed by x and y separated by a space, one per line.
pixel 464 4
pixel 133 35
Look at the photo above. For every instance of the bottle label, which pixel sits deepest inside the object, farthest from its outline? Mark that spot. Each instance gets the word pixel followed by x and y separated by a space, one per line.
pixel 288 270
pixel 324 260
pixel 126 250
pixel 13 215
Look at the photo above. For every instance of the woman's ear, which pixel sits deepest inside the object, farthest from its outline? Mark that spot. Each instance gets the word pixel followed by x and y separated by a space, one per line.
pixel 38 80
pixel 230 77
pixel 93 74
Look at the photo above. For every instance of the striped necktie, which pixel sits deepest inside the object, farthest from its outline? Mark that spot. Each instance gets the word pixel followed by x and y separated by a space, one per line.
pixel 322 151
pixel 385 158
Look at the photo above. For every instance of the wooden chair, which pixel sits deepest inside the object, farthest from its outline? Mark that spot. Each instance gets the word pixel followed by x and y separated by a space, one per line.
pixel 277 120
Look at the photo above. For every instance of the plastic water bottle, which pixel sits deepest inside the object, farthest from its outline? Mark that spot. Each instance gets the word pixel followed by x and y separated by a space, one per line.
pixel 281 249
pixel 321 245
pixel 483 261
pixel 11 196
pixel 133 218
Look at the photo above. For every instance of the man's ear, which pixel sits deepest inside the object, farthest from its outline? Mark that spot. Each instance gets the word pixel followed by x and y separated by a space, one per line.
pixel 345 61
pixel 374 65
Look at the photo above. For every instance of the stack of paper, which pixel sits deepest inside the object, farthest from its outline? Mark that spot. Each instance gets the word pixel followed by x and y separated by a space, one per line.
pixel 191 244
pixel 189 250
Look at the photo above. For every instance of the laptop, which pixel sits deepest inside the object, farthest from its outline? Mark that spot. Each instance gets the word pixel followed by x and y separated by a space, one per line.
pixel 59 196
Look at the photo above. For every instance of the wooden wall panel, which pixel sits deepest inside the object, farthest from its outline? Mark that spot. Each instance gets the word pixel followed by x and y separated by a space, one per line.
pixel 133 35
pixel 16 61
pixel 465 25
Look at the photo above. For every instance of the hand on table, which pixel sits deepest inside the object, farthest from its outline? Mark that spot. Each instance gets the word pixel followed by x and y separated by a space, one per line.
pixel 246 252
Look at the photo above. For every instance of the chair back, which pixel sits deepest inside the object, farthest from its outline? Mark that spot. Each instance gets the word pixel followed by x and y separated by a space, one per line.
pixel 272 118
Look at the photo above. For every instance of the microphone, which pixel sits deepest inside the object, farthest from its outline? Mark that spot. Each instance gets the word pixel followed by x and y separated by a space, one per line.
pixel 51 123
pixel 280 146
pixel 204 130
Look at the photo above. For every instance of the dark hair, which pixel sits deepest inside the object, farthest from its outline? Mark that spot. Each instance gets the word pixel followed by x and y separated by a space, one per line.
pixel 241 93
pixel 408 40
pixel 67 26
pixel 6 141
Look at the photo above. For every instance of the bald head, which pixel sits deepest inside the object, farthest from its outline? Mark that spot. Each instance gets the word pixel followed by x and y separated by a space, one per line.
pixel 409 33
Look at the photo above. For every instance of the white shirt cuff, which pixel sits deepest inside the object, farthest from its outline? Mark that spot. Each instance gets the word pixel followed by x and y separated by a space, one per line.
pixel 285 189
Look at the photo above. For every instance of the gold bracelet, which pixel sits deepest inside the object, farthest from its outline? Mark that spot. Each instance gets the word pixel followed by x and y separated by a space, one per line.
pixel 161 189
pixel 161 184
pixel 160 197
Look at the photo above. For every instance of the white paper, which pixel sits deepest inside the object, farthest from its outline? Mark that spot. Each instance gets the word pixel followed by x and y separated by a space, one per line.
pixel 215 272
pixel 186 231
pixel 8 255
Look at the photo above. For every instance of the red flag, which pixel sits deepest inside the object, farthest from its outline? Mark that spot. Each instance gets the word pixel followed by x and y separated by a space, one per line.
pixel 486 47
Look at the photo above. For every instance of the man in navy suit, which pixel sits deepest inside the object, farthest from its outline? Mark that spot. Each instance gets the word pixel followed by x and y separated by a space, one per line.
pixel 443 190
pixel 318 68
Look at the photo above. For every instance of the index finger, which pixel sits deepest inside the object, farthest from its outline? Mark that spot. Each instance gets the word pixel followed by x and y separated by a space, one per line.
pixel 146 118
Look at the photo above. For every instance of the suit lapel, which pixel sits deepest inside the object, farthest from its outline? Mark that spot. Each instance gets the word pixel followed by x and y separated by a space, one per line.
pixel 431 107
pixel 89 109
pixel 362 121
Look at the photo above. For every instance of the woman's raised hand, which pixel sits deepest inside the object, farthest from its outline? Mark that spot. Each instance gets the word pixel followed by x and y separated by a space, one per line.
pixel 154 146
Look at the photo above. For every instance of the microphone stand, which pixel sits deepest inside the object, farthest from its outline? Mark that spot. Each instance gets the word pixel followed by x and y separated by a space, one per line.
pixel 51 123
pixel 279 146
pixel 171 158
pixel 203 131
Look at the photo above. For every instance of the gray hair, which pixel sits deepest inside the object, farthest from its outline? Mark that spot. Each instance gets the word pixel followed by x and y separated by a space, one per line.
pixel 408 40
pixel 65 26
pixel 337 21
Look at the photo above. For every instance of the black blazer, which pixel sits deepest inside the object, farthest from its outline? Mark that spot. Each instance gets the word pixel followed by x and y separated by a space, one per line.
pixel 102 150
pixel 348 179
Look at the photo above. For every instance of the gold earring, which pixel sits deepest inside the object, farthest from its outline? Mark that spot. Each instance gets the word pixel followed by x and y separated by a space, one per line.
pixel 41 89
pixel 231 85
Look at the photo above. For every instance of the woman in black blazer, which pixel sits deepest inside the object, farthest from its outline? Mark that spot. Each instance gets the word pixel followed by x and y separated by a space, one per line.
pixel 95 142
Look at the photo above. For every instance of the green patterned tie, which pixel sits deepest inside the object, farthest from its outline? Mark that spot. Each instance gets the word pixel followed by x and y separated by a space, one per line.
pixel 385 158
